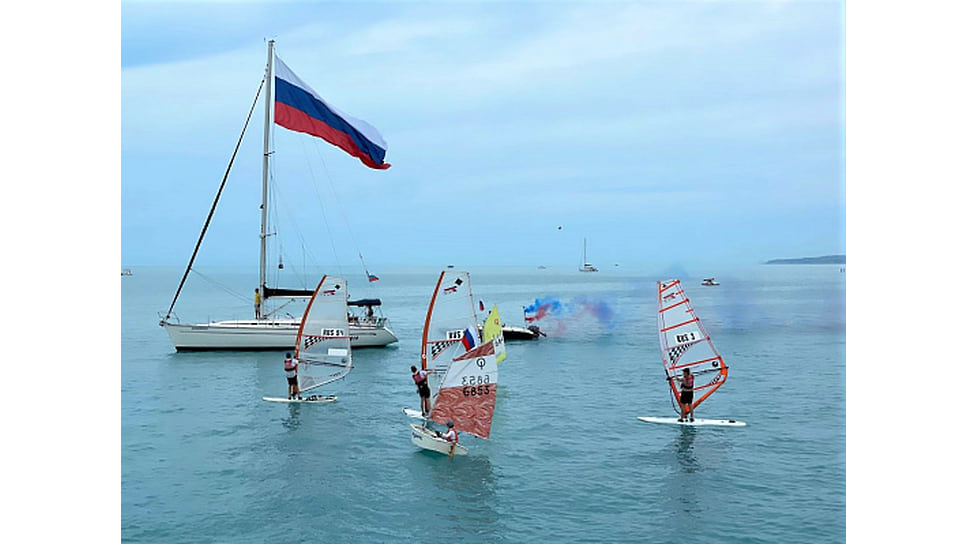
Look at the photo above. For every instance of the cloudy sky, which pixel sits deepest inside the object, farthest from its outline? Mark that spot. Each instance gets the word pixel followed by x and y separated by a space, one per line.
pixel 661 132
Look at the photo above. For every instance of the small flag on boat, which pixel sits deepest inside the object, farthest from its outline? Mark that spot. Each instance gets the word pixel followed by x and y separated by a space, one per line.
pixel 300 109
pixel 468 339
pixel 480 305
pixel 371 277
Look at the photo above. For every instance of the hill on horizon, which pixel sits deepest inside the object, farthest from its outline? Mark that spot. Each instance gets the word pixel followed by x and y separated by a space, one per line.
pixel 826 259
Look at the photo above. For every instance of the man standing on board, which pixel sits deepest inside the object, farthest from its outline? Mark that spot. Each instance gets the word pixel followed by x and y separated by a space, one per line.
pixel 291 366
pixel 423 389
pixel 687 382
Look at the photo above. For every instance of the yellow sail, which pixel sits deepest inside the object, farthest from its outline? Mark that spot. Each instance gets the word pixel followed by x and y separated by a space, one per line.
pixel 493 331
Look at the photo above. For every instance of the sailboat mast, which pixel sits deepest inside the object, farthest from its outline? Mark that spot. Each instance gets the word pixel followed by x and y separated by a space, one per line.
pixel 270 89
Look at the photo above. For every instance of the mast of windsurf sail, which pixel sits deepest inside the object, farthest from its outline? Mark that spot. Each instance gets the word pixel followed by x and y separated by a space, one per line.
pixel 270 90
pixel 309 305
pixel 426 329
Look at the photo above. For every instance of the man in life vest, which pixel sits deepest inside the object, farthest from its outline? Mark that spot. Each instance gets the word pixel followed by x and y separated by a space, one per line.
pixel 685 394
pixel 423 388
pixel 451 436
pixel 291 366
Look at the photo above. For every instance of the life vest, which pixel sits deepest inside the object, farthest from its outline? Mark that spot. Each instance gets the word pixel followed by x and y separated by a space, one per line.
pixel 454 432
pixel 688 382
pixel 289 365
pixel 420 377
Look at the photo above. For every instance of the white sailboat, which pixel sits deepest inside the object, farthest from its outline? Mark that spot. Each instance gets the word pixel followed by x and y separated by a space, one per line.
pixel 586 266
pixel 323 343
pixel 686 345
pixel 463 368
pixel 292 104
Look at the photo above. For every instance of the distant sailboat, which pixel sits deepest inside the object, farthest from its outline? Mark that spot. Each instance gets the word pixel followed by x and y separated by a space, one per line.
pixel 463 367
pixel 586 266
pixel 291 104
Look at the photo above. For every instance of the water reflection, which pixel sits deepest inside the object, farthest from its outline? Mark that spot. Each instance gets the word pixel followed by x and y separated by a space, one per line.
pixel 683 488
pixel 685 453
pixel 292 422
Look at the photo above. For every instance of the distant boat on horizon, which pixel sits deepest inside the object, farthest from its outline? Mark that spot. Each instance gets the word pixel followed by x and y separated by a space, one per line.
pixel 586 266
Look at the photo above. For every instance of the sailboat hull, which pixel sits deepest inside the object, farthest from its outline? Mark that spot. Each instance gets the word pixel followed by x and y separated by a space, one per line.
pixel 428 440
pixel 262 335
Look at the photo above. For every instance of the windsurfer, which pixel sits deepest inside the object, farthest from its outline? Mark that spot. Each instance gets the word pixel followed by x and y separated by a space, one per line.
pixel 291 367
pixel 423 389
pixel 685 394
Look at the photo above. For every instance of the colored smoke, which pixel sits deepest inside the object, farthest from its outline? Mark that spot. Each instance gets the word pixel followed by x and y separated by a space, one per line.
pixel 555 316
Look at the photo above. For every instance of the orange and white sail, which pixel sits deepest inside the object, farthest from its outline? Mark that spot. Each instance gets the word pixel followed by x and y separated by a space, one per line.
pixel 685 344
pixel 450 328
pixel 323 342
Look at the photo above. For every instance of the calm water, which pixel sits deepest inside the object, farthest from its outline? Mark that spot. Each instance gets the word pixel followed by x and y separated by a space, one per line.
pixel 204 459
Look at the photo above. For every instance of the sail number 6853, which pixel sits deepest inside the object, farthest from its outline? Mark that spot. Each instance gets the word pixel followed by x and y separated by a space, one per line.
pixel 477 391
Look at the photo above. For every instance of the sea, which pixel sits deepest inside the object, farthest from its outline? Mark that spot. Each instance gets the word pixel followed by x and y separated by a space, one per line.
pixel 204 459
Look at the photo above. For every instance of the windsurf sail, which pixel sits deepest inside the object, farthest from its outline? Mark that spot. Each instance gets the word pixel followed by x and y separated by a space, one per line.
pixel 464 384
pixel 685 344
pixel 494 331
pixel 323 342
pixel 451 321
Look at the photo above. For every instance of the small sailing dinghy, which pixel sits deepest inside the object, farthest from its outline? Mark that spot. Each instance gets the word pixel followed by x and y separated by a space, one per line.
pixel 463 367
pixel 685 344
pixel 322 343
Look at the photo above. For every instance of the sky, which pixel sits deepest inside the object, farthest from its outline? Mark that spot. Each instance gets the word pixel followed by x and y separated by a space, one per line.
pixel 665 134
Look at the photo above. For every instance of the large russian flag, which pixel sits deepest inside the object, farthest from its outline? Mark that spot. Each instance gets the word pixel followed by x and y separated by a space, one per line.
pixel 299 108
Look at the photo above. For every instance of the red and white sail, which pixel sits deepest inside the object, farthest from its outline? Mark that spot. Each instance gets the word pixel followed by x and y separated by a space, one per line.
pixel 685 344
pixel 463 366
pixel 468 391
